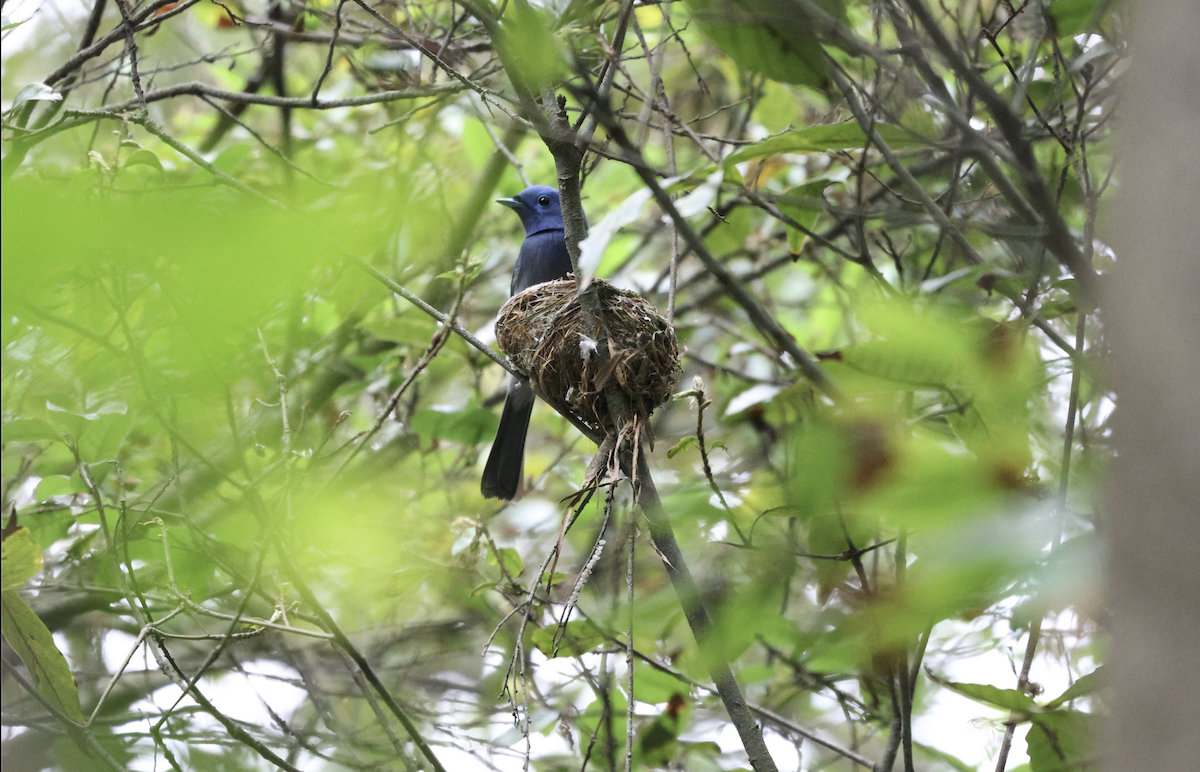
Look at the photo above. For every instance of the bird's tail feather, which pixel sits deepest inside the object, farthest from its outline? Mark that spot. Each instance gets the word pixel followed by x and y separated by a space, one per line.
pixel 505 464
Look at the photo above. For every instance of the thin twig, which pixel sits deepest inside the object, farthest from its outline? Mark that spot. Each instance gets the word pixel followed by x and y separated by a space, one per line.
pixel 333 40
pixel 1035 629
pixel 81 735
pixel 629 649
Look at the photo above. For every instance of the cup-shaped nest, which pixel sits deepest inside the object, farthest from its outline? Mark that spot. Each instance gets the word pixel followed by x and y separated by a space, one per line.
pixel 542 331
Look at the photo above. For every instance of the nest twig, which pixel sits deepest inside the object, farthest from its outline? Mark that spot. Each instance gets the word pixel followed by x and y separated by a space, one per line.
pixel 541 330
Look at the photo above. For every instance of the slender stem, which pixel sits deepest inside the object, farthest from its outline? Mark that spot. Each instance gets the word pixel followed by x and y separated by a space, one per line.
pixel 629 650
pixel 663 537
pixel 82 737
pixel 1035 630
pixel 902 674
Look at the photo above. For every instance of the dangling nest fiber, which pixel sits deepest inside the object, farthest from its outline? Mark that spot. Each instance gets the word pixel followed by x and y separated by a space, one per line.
pixel 541 330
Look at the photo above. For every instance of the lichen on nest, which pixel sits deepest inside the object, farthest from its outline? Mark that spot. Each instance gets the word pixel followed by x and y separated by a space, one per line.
pixel 541 330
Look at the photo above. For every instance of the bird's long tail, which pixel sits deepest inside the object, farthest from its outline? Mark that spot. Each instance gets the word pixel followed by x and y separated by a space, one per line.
pixel 505 464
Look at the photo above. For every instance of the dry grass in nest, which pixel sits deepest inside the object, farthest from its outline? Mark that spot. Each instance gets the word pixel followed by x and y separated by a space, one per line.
pixel 542 332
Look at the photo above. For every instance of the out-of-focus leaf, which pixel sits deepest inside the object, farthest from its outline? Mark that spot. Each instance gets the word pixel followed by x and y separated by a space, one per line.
pixel 580 637
pixel 1086 685
pixel 143 157
pixel 940 755
pixel 470 425
pixel 822 139
pixel 656 743
pixel 804 205
pixel 1060 740
pixel 681 446
pixel 913 466
pixel 1077 64
pixel 78 424
pixel 767 37
pixel 1056 308
pixel 821 461
pixel 231 157
pixel 654 686
pixel 29 430
pixel 58 484
pixel 1009 699
pixel 405 328
pixel 513 564
pixel 228 258
pixel 529 47
pixel 21 559
pixel 104 436
pixel 33 643
pixel 839 652
pixel 906 360
pixel 1074 16
pixel 752 616
pixel 36 92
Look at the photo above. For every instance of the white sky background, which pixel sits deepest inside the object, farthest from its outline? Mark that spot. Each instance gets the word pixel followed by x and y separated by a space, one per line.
pixel 955 724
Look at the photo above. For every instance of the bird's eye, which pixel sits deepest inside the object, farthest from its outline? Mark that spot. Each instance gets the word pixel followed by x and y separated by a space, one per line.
pixel 544 200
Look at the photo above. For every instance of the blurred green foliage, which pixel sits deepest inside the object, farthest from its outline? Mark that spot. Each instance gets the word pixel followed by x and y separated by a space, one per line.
pixel 201 416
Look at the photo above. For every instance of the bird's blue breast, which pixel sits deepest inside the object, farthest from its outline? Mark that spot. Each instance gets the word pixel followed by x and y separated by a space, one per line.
pixel 543 257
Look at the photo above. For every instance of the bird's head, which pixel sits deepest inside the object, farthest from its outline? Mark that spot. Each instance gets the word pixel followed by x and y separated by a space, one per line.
pixel 537 207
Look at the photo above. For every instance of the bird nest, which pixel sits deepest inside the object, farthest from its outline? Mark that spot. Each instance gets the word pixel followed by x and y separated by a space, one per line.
pixel 542 331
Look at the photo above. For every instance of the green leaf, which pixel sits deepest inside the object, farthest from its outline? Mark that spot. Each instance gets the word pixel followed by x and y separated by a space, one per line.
pixel 483 588
pixel 657 741
pixel 839 652
pixel 405 328
pixel 1061 740
pixel 767 37
pixel 756 674
pixel 1074 16
pixel 1056 308
pixel 681 446
pixel 57 485
pixel 513 563
pixel 77 424
pixel 1009 699
pixel 529 47
pixel 36 92
pixel 823 139
pixel 102 439
pixel 803 204
pixel 654 686
pixel 467 426
pixel 1086 685
pixel 29 430
pixel 22 559
pixel 947 758
pixel 143 157
pixel 231 157
pixel 580 637
pixel 32 642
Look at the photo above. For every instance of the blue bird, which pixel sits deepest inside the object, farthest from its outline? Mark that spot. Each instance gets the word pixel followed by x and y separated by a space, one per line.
pixel 543 257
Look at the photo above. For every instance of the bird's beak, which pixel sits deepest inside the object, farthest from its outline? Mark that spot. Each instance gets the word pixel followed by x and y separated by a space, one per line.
pixel 511 203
